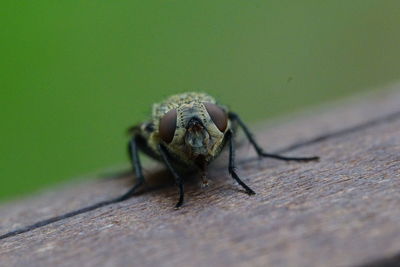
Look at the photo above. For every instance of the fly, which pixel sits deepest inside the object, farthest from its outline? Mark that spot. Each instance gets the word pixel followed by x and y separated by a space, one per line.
pixel 188 131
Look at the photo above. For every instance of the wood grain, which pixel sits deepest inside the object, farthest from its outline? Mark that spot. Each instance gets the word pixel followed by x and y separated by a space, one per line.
pixel 340 211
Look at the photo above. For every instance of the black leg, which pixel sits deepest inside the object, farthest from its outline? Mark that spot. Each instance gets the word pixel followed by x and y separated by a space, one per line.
pixel 178 179
pixel 232 167
pixel 137 166
pixel 260 151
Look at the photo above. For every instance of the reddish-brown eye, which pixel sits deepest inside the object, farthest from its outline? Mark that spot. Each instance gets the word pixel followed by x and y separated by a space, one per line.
pixel 218 116
pixel 167 126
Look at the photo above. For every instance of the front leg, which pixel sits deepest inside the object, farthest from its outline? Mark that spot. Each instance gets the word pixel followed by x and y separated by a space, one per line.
pixel 260 151
pixel 232 167
pixel 179 181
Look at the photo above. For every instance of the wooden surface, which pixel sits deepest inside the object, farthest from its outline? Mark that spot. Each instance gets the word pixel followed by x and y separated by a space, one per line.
pixel 341 211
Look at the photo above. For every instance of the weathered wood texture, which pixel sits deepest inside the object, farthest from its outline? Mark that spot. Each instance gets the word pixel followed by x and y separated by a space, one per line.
pixel 341 211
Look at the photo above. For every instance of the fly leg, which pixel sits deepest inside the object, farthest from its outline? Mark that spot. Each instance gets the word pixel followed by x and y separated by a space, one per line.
pixel 232 167
pixel 178 179
pixel 137 166
pixel 259 150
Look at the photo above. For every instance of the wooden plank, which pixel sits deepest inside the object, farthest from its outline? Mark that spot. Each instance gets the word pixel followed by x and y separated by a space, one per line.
pixel 341 211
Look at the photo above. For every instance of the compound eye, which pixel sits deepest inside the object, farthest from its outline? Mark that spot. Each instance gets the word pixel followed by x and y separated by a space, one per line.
pixel 168 125
pixel 218 116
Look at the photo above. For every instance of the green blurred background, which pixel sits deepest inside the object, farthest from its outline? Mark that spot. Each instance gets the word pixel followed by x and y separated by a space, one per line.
pixel 75 74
